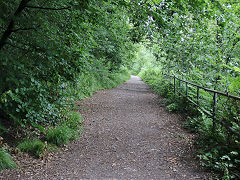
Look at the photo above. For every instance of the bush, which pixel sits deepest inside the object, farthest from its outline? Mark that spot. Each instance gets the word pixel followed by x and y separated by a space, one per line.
pixel 32 146
pixel 6 161
pixel 88 83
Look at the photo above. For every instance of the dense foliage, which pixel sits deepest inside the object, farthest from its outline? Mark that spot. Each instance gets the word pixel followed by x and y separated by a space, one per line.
pixel 54 51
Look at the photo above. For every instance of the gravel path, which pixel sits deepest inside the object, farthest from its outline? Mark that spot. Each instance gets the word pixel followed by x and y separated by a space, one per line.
pixel 127 135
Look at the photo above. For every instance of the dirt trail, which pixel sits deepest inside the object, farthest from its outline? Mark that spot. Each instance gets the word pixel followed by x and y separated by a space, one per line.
pixel 127 135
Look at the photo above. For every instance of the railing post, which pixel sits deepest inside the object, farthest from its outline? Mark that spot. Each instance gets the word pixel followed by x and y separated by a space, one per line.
pixel 214 109
pixel 174 82
pixel 179 87
pixel 197 95
pixel 186 89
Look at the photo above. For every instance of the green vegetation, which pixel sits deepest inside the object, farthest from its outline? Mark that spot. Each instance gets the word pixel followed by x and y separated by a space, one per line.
pixel 74 120
pixel 219 147
pixel 59 135
pixel 53 53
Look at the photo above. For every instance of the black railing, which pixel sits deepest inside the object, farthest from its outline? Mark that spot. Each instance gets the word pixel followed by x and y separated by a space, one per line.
pixel 212 113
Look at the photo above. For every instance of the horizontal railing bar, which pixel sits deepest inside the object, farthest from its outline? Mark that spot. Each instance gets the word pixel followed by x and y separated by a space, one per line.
pixel 208 113
pixel 197 103
pixel 207 89
pixel 204 110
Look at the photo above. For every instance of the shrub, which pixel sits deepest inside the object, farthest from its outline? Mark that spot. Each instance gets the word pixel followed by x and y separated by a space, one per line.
pixel 32 146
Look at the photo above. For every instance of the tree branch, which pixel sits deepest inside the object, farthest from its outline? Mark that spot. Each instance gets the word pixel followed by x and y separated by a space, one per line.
pixel 23 29
pixel 46 8
pixel 11 24
pixel 234 44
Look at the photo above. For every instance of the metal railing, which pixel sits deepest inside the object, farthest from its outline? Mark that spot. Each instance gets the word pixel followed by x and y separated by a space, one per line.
pixel 197 101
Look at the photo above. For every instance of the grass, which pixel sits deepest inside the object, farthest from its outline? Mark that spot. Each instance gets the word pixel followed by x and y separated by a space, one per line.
pixel 67 131
pixel 34 147
pixel 60 135
pixel 71 126
pixel 87 85
pixel 74 120
pixel 6 161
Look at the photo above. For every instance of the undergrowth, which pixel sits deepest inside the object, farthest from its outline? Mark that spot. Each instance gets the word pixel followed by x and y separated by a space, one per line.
pixel 47 69
pixel 6 161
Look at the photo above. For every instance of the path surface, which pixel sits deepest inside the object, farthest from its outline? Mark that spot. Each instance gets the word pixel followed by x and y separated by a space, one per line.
pixel 127 135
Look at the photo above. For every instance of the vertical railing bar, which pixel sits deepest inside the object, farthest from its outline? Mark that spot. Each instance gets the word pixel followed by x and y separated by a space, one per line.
pixel 179 87
pixel 186 89
pixel 214 109
pixel 174 82
pixel 197 95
